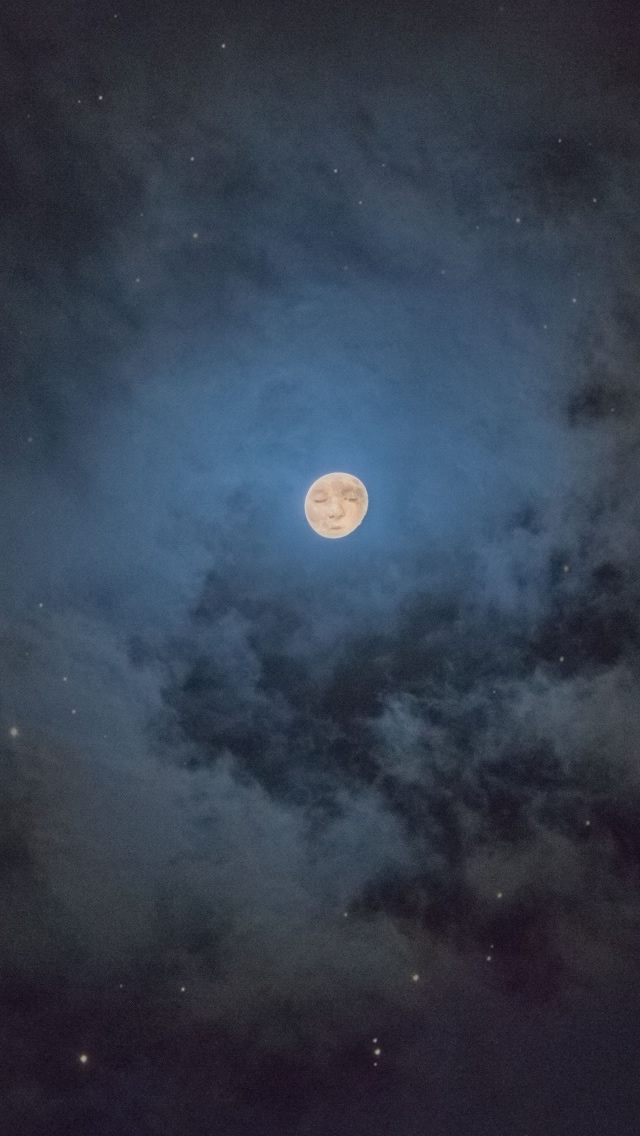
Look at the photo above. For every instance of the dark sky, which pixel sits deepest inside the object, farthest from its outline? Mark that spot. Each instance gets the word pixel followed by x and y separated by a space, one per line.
pixel 299 836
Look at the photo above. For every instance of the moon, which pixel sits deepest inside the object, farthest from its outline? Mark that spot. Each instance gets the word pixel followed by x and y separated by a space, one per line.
pixel 336 504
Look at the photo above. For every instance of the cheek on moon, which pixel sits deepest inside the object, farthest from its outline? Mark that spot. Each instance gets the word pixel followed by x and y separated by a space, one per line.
pixel 336 504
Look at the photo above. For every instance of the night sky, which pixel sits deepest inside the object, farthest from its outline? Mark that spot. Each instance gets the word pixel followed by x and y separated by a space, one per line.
pixel 300 836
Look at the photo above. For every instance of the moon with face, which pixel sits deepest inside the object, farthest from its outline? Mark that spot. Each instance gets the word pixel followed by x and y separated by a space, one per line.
pixel 336 504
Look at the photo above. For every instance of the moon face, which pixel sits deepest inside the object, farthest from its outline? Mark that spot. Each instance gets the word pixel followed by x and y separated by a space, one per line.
pixel 336 504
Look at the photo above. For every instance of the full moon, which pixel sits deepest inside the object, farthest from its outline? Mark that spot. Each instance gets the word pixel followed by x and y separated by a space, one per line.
pixel 336 504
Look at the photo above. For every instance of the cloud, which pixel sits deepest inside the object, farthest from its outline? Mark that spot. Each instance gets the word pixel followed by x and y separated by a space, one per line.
pixel 269 731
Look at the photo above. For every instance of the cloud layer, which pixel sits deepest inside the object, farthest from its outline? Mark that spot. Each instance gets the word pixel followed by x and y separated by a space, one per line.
pixel 285 774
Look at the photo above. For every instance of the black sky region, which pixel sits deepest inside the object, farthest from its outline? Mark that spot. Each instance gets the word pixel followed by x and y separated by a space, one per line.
pixel 299 836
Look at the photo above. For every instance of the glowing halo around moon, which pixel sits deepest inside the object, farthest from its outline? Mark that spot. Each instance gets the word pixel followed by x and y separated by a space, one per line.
pixel 336 504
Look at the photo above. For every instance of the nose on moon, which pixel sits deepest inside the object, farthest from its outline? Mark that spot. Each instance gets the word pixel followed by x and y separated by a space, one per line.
pixel 336 504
